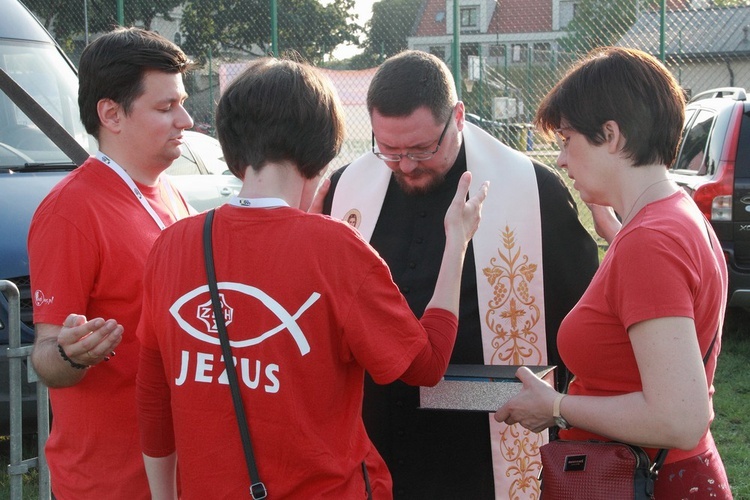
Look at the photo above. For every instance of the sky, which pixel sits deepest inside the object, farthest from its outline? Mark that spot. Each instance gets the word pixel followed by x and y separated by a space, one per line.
pixel 363 8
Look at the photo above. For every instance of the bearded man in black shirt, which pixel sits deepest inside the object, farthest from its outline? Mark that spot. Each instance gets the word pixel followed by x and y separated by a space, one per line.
pixel 528 264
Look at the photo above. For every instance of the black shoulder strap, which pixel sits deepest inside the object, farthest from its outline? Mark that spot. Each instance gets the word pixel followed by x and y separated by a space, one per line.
pixel 257 488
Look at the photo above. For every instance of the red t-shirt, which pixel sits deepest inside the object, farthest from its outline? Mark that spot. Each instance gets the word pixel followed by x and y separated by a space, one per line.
pixel 666 262
pixel 309 307
pixel 88 243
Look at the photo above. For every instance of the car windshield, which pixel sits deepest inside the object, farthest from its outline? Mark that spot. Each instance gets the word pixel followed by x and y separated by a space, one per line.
pixel 44 75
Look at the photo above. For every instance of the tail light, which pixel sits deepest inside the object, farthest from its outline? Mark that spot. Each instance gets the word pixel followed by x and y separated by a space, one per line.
pixel 714 198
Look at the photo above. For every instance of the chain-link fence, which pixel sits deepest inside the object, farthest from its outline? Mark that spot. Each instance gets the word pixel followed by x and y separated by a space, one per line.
pixel 505 54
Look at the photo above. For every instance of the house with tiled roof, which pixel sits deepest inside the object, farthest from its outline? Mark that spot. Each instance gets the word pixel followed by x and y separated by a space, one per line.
pixel 500 40
pixel 527 31
pixel 506 31
pixel 516 47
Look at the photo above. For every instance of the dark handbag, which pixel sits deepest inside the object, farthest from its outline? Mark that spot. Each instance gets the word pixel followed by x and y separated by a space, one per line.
pixel 593 470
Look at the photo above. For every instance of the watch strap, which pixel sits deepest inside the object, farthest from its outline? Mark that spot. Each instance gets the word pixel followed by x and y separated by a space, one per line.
pixel 556 405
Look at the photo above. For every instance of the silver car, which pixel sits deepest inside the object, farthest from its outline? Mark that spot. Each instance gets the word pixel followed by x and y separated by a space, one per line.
pixel 201 174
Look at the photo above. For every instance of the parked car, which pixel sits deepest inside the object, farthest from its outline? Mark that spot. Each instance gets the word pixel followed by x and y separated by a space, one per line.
pixel 31 164
pixel 713 166
pixel 201 174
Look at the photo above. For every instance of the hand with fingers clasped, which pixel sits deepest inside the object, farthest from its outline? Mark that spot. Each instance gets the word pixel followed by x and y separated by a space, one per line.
pixel 532 406
pixel 84 344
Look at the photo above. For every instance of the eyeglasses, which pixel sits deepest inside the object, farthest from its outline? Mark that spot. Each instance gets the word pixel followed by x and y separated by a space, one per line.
pixel 422 156
pixel 562 141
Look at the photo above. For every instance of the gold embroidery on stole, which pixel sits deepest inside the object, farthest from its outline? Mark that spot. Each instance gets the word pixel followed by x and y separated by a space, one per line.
pixel 512 317
pixel 513 314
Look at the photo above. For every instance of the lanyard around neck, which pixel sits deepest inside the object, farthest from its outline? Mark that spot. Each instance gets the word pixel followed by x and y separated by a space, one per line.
pixel 137 192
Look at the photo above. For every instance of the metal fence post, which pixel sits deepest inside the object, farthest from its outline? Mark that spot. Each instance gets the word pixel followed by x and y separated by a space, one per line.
pixel 662 29
pixel 274 29
pixel 42 425
pixel 16 355
pixel 456 47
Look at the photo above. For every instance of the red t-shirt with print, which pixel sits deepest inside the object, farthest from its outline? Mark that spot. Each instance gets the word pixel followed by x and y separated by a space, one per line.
pixel 309 307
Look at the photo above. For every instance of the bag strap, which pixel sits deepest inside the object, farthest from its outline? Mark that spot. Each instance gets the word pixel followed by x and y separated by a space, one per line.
pixel 258 490
pixel 368 487
pixel 661 455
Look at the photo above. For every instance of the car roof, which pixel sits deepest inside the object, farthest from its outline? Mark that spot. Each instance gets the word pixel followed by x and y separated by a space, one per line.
pixel 14 23
pixel 733 93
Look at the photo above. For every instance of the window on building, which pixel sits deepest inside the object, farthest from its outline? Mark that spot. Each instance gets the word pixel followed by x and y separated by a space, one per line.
pixel 542 53
pixel 519 52
pixel 469 17
pixel 567 12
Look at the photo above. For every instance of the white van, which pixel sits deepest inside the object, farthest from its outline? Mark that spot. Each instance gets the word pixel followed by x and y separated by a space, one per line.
pixel 38 79
pixel 30 162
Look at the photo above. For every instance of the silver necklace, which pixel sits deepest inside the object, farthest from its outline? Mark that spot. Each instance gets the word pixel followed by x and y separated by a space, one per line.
pixel 626 219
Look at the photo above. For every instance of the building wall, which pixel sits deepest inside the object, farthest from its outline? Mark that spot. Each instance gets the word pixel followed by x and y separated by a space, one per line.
pixel 699 76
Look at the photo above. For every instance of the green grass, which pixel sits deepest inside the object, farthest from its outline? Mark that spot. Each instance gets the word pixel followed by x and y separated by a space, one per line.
pixel 30 480
pixel 732 403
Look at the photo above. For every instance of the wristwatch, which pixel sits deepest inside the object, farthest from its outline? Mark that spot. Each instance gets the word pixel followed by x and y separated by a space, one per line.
pixel 559 419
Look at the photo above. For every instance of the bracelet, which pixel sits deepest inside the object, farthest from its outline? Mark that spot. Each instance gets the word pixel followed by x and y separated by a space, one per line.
pixel 75 365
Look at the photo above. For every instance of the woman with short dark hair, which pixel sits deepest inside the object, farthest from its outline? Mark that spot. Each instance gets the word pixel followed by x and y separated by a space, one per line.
pixel 309 307
pixel 637 338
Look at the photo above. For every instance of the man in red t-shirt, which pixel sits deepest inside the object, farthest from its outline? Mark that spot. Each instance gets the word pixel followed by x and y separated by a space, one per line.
pixel 88 244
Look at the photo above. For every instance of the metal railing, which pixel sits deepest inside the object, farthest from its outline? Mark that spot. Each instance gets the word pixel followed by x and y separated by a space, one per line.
pixel 17 353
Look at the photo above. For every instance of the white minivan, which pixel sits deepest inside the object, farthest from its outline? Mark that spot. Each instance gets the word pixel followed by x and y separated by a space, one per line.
pixel 41 140
pixel 30 162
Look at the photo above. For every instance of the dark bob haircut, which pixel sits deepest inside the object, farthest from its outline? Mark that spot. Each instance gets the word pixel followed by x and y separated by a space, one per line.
pixel 279 110
pixel 627 86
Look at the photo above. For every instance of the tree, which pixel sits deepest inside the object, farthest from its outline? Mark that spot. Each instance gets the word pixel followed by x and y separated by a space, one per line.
pixel 66 20
pixel 304 26
pixel 144 11
pixel 598 23
pixel 386 33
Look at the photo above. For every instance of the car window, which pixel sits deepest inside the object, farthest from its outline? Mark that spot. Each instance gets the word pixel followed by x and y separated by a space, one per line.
pixel 695 143
pixel 41 71
pixel 186 164
pixel 209 151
